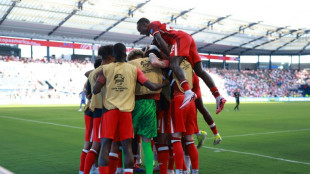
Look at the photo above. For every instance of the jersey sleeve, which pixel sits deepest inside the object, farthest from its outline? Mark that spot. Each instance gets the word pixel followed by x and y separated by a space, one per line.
pixel 153 28
pixel 141 78
pixel 101 79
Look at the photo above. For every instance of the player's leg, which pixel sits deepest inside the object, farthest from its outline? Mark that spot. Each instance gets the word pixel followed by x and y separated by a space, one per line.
pixel 147 129
pixel 197 65
pixel 104 155
pixel 114 156
pixel 177 151
pixel 135 150
pixel 238 105
pixel 187 159
pixel 108 129
pixel 125 129
pixel 180 50
pixel 193 153
pixel 94 151
pixel 208 118
pixel 127 148
pixel 148 154
pixel 88 130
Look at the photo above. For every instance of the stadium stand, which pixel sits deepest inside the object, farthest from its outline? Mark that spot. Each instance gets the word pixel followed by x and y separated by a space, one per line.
pixel 36 80
pixel 27 80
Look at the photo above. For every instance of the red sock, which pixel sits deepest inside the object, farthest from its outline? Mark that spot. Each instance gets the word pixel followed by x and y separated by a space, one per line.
pixel 184 84
pixel 213 128
pixel 163 158
pixel 215 92
pixel 171 159
pixel 103 169
pixel 193 153
pixel 89 161
pixel 120 159
pixel 83 156
pixel 113 162
pixel 177 153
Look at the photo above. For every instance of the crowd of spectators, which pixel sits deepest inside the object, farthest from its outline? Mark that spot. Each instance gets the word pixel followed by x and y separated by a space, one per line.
pixel 25 78
pixel 264 83
pixel 22 78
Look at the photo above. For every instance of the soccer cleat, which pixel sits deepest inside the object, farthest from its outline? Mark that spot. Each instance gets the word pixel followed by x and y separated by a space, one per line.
pixel 217 139
pixel 201 139
pixel 220 101
pixel 188 97
pixel 138 169
pixel 80 110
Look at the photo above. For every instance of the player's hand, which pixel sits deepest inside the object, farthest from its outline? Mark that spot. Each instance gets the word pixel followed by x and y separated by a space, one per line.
pixel 220 101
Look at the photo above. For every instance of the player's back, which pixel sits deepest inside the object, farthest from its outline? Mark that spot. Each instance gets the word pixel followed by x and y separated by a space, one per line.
pixel 166 31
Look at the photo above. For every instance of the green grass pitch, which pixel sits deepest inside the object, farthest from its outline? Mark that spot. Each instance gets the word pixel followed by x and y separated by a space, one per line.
pixel 261 138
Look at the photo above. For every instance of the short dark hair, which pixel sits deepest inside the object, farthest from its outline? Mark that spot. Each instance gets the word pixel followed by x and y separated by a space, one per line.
pixel 119 51
pixel 143 21
pixel 97 63
pixel 105 51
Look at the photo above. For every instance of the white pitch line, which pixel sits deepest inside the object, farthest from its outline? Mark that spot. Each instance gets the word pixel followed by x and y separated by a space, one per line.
pixel 255 154
pixel 275 132
pixel 42 122
pixel 5 171
pixel 246 153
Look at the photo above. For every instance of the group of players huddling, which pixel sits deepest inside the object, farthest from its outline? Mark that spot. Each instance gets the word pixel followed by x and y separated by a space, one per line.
pixel 151 95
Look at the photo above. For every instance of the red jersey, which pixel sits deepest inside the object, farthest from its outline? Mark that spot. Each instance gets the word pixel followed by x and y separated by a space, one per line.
pixel 166 32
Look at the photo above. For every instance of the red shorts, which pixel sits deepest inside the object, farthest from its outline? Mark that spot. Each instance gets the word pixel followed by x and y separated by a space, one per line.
pixel 164 121
pixel 183 120
pixel 185 46
pixel 96 126
pixel 113 122
pixel 88 127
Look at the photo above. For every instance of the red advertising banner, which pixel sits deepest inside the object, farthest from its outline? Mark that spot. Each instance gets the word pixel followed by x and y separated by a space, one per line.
pixel 17 41
pixel 202 56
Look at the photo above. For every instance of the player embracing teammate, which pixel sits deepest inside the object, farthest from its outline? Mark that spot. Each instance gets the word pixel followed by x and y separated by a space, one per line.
pixel 130 100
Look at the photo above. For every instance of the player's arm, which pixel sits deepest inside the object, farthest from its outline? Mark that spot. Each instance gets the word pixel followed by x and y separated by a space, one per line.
pixel 99 83
pixel 88 90
pixel 158 63
pixel 162 44
pixel 142 79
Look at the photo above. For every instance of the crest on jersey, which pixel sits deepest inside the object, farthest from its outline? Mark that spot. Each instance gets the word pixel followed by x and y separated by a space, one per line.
pixel 119 79
pixel 146 68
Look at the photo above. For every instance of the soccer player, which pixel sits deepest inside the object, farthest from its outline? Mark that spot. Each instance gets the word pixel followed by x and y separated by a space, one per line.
pixel 119 81
pixel 105 52
pixel 201 135
pixel 198 102
pixel 237 95
pixel 144 113
pixel 183 46
pixel 183 121
pixel 83 100
pixel 88 117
